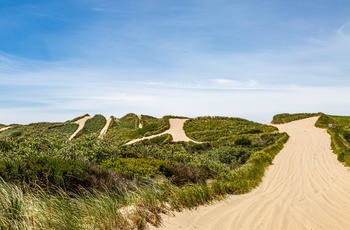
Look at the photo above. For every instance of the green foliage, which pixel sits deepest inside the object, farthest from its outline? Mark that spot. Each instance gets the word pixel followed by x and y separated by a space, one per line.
pixel 93 126
pixel 209 129
pixel 131 167
pixel 243 141
pixel 286 117
pixel 340 135
pixel 54 172
pixel 105 175
pixel 127 128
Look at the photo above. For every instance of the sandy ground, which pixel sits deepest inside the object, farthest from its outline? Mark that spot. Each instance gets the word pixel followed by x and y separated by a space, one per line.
pixel 140 124
pixel 5 128
pixel 105 128
pixel 305 188
pixel 176 131
pixel 81 123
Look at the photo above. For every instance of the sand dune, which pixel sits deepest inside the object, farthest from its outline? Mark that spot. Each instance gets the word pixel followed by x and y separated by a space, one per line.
pixel 305 188
pixel 176 131
pixel 81 123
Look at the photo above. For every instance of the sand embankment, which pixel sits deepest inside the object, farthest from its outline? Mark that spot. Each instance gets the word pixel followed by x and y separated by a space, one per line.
pixel 305 188
pixel 176 131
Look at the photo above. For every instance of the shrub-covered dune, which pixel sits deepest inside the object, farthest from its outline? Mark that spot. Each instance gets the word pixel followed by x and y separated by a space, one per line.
pixel 91 182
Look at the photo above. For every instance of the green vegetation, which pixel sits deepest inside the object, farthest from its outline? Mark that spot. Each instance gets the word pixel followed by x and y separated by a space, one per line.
pixel 340 134
pixel 286 117
pixel 219 129
pixel 93 126
pixel 127 128
pixel 49 182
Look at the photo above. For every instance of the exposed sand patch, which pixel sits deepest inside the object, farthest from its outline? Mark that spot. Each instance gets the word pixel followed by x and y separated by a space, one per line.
pixel 176 131
pixel 105 128
pixel 81 123
pixel 140 124
pixel 305 188
pixel 5 128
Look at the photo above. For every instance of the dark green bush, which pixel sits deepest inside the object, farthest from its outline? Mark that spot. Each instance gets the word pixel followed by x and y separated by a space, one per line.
pixel 243 141
pixel 51 172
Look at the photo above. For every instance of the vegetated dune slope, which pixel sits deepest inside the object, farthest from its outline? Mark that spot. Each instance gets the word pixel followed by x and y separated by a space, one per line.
pixel 175 130
pixel 305 188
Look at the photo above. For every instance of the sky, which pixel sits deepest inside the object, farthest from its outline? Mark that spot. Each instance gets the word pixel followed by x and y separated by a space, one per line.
pixel 250 59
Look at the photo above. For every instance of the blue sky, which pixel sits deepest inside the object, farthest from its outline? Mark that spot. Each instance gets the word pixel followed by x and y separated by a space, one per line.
pixel 250 59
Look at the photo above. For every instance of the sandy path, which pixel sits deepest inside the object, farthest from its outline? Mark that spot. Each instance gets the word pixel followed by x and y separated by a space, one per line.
pixel 5 128
pixel 305 188
pixel 176 131
pixel 81 123
pixel 140 124
pixel 105 128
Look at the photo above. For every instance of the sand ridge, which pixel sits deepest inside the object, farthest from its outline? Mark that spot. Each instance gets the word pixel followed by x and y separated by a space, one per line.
pixel 305 188
pixel 81 123
pixel 176 131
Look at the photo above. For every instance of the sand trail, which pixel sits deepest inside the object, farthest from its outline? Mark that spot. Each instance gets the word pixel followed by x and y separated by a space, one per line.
pixel 176 131
pixel 5 128
pixel 105 128
pixel 81 123
pixel 305 188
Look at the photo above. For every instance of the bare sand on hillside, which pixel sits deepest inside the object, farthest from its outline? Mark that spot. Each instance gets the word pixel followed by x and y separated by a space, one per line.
pixel 105 128
pixel 5 128
pixel 305 188
pixel 176 131
pixel 81 123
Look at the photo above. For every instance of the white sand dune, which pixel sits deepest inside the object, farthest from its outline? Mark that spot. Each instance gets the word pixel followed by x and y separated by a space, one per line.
pixel 105 128
pixel 81 123
pixel 176 131
pixel 305 188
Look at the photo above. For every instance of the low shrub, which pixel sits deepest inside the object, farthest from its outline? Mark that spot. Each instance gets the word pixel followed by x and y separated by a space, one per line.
pixel 51 172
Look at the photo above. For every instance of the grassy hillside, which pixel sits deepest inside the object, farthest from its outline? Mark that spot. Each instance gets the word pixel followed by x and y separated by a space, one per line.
pixel 286 117
pixel 127 128
pixel 340 134
pixel 89 182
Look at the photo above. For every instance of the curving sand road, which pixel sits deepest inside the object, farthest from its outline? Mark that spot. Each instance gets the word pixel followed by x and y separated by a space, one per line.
pixel 305 188
pixel 176 131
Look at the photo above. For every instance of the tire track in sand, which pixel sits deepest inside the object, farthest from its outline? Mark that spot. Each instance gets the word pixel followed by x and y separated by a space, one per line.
pixel 305 188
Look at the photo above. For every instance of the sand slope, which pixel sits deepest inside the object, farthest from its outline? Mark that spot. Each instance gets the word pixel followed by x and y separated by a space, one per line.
pixel 105 128
pixel 305 188
pixel 81 123
pixel 176 131
pixel 5 128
